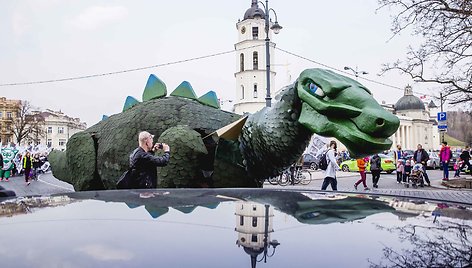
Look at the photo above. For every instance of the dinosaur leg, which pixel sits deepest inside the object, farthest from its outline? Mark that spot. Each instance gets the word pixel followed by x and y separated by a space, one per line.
pixel 187 148
pixel 78 167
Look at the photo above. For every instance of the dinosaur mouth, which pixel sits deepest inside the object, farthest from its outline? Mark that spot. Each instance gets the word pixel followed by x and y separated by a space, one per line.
pixel 354 135
pixel 345 130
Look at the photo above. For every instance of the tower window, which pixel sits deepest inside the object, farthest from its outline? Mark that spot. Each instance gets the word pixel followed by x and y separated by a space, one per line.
pixel 255 91
pixel 254 221
pixel 255 32
pixel 241 62
pixel 254 238
pixel 242 92
pixel 241 220
pixel 255 61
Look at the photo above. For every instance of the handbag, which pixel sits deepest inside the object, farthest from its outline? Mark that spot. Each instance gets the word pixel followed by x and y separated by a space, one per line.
pixel 126 180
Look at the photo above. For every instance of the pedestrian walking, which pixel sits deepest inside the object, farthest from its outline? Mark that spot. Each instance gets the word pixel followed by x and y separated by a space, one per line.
pixel 27 165
pixel 330 172
pixel 421 157
pixel 445 156
pixel 375 169
pixel 400 170
pixel 457 167
pixel 361 164
pixel 465 155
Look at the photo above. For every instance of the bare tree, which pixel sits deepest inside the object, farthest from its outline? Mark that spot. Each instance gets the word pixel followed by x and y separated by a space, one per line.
pixel 446 245
pixel 27 125
pixel 445 55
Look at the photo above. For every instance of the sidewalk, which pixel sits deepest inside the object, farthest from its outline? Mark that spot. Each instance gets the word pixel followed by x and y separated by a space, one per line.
pixel 388 186
pixel 48 185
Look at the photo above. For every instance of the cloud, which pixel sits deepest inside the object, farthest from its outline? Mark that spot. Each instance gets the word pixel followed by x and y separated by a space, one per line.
pixel 94 17
pixel 20 25
pixel 104 253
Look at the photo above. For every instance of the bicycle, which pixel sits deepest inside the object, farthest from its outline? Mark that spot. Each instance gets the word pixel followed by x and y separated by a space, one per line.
pixel 302 176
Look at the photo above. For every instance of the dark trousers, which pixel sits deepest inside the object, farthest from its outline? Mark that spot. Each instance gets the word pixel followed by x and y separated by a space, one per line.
pixel 405 176
pixel 27 173
pixel 399 176
pixel 327 181
pixel 466 163
pixel 445 166
pixel 375 176
pixel 425 175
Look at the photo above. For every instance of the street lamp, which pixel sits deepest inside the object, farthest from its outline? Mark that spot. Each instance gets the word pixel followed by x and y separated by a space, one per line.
pixel 276 28
pixel 356 72
pixel 274 243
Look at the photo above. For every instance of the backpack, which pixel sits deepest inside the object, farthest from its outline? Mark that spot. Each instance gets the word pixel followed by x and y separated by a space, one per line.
pixel 323 161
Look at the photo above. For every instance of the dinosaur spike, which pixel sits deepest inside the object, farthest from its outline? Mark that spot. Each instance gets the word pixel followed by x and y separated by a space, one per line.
pixel 210 99
pixel 184 90
pixel 154 89
pixel 186 209
pixel 130 102
pixel 104 117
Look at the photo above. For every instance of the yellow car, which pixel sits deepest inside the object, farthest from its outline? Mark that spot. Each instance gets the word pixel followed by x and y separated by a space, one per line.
pixel 387 163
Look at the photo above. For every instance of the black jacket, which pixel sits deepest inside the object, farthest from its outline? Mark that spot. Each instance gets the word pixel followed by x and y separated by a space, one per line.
pixel 144 167
pixel 465 155
pixel 1 160
pixel 424 156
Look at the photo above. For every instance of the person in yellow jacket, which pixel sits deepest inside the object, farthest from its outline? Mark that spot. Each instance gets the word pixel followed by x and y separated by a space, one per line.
pixel 27 165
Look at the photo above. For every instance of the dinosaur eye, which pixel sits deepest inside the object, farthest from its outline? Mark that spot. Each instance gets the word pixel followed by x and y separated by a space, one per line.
pixel 315 90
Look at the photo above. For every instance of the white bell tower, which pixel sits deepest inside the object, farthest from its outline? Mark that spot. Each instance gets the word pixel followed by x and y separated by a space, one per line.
pixel 251 86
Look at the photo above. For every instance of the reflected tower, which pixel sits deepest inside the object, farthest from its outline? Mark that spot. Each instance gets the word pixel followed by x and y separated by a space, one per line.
pixel 254 225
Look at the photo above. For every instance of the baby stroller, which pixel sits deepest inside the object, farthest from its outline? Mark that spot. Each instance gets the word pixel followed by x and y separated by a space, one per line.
pixel 416 176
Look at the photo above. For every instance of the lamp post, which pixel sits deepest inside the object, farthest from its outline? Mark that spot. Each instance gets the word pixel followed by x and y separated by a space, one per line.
pixel 276 28
pixel 356 72
pixel 274 243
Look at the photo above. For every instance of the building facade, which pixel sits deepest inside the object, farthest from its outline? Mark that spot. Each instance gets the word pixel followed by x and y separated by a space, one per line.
pixel 251 86
pixel 418 123
pixel 9 110
pixel 58 128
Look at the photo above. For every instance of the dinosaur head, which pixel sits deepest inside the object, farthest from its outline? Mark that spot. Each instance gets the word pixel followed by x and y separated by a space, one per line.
pixel 337 106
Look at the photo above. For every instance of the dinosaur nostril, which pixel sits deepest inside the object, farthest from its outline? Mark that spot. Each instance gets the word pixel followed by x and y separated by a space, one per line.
pixel 380 122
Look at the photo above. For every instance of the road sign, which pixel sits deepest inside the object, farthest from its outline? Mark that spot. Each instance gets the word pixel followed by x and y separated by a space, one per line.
pixel 442 126
pixel 442 116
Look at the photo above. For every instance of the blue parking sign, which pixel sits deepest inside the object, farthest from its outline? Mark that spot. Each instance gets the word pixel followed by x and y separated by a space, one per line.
pixel 442 116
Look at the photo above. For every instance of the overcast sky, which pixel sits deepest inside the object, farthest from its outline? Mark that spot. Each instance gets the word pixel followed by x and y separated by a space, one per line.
pixel 55 39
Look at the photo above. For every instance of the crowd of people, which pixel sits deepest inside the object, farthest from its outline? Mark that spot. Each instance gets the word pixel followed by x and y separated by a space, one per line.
pixel 27 161
pixel 406 165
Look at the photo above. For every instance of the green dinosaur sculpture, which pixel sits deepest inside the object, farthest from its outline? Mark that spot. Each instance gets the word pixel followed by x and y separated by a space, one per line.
pixel 320 101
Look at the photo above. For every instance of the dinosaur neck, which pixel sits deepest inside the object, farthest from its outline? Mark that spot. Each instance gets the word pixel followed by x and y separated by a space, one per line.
pixel 272 139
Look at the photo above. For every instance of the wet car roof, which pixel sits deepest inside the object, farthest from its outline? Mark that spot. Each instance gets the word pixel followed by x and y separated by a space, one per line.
pixel 231 228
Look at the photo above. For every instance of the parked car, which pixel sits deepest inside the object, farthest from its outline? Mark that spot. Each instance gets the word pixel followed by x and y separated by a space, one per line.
pixel 433 161
pixel 387 164
pixel 310 161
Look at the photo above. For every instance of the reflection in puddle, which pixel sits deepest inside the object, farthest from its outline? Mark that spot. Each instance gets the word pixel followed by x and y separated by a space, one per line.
pixel 254 226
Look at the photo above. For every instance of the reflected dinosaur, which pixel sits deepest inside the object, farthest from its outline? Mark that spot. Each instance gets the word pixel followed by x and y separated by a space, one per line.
pixel 320 101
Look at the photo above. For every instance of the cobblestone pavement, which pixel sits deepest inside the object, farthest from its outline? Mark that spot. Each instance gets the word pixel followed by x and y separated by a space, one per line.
pixel 47 185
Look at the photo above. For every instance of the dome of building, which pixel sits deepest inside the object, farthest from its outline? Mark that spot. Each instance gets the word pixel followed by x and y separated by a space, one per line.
pixel 254 11
pixel 409 102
